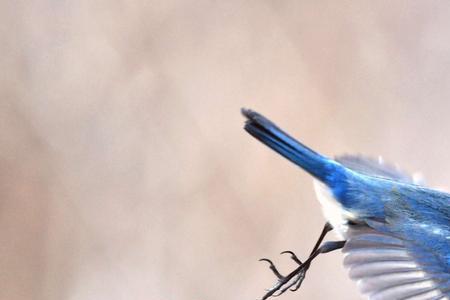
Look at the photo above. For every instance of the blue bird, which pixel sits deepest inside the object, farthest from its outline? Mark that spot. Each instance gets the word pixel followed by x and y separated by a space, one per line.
pixel 394 233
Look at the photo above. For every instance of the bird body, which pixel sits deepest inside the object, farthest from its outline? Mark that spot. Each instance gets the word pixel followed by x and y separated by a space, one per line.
pixel 397 232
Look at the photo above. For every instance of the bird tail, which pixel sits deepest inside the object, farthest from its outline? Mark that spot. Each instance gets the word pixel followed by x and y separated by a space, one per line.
pixel 319 166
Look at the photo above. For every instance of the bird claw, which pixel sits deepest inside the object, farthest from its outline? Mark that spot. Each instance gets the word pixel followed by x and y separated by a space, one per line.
pixel 272 268
pixel 294 280
pixel 299 281
pixel 266 259
pixel 293 256
pixel 285 283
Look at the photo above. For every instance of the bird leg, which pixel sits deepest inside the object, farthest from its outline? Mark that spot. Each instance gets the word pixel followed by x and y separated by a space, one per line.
pixel 293 280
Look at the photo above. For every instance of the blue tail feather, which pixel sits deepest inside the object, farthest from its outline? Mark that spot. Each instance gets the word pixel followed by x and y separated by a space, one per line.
pixel 361 194
pixel 319 166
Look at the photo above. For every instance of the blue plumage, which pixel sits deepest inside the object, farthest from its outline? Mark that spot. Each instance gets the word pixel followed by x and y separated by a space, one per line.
pixel 387 206
pixel 324 169
pixel 343 182
pixel 317 165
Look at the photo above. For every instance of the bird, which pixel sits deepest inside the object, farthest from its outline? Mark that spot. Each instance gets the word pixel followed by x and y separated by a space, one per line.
pixel 394 232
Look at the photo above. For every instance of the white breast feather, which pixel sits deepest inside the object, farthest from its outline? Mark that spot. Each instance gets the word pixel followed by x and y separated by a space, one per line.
pixel 333 210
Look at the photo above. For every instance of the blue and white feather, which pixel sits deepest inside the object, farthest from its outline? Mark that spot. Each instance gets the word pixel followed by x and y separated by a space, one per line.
pixel 397 231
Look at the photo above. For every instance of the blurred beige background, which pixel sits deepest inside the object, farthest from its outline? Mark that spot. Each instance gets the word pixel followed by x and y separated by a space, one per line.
pixel 124 169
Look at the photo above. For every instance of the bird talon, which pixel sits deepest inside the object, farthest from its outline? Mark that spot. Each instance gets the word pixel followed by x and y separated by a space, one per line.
pixel 293 256
pixel 273 268
pixel 277 294
pixel 284 283
pixel 294 280
pixel 299 282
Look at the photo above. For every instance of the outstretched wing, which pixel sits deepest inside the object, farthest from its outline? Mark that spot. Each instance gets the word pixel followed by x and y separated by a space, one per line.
pixel 407 256
pixel 386 266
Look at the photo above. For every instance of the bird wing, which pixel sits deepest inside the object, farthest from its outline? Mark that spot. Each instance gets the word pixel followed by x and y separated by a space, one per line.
pixel 374 167
pixel 386 266
pixel 406 256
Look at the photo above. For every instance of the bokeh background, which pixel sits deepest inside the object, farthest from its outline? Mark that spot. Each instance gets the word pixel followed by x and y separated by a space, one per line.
pixel 124 169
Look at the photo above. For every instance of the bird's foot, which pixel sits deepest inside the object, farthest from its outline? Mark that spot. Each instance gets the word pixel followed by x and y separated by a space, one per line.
pixel 291 282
